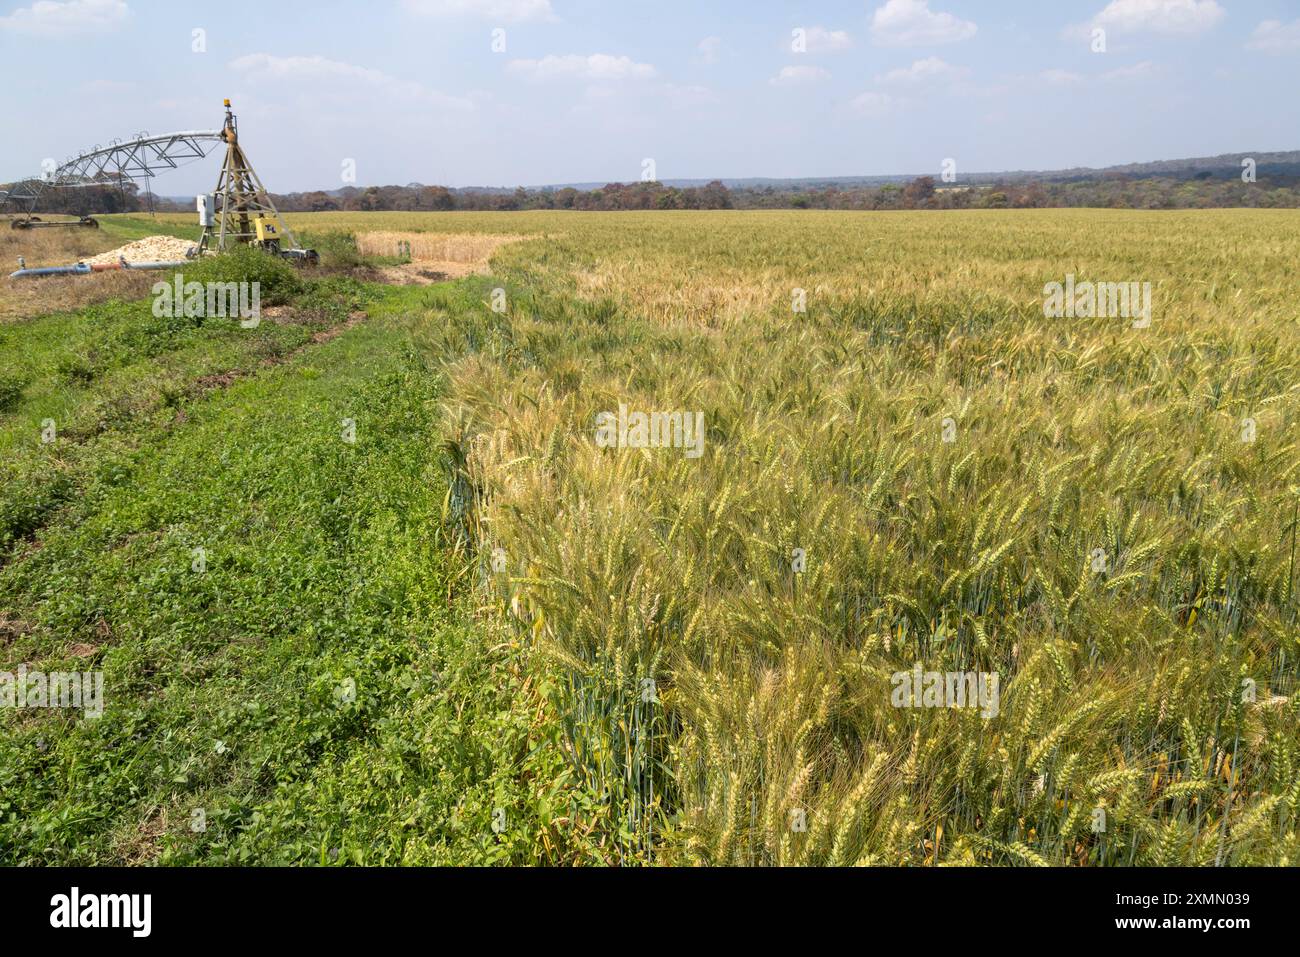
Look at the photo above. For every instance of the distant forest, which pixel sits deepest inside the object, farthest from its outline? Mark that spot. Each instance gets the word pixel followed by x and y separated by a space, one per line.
pixel 1114 191
pixel 1119 192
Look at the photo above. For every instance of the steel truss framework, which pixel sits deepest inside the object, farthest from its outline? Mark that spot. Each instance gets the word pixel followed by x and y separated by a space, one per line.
pixel 241 199
pixel 141 158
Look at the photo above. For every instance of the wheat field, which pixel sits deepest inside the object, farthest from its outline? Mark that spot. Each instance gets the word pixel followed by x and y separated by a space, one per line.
pixel 770 736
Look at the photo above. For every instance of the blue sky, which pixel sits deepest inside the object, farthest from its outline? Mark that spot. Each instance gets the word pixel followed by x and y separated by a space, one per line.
pixel 413 90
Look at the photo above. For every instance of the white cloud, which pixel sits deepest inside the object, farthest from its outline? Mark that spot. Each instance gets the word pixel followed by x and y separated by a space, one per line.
pixel 821 40
pixel 287 69
pixel 597 66
pixel 1060 77
pixel 1274 36
pixel 1134 72
pixel 923 71
pixel 983 90
pixel 684 97
pixel 709 48
pixel 872 105
pixel 108 87
pixel 1170 17
pixel 599 94
pixel 799 75
pixel 908 23
pixel 51 18
pixel 502 11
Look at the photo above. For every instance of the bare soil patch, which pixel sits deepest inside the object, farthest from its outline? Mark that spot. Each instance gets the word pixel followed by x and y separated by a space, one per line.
pixel 143 844
pixel 11 628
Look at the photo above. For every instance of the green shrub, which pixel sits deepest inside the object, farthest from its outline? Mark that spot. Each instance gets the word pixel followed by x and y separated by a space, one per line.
pixel 278 279
pixel 336 250
pixel 11 391
pixel 75 369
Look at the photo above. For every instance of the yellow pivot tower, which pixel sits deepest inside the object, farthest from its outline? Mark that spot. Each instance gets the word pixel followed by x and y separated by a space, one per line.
pixel 243 210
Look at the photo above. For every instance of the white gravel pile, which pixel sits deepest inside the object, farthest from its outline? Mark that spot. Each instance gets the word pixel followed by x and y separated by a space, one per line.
pixel 149 249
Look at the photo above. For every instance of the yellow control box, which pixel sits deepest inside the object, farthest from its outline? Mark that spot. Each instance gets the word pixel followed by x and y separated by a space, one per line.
pixel 266 229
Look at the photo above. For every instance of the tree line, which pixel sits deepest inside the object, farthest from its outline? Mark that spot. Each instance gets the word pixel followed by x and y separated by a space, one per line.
pixel 1116 192
pixel 1203 191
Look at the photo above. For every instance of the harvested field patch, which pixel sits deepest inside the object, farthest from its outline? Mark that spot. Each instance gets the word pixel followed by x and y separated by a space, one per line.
pixel 434 257
pixel 29 297
pixel 50 247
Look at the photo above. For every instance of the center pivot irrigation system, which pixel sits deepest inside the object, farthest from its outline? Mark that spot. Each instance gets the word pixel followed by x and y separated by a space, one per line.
pixel 238 212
